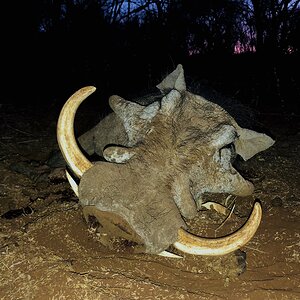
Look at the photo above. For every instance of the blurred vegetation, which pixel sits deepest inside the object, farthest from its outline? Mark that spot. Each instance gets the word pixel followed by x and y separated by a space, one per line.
pixel 246 49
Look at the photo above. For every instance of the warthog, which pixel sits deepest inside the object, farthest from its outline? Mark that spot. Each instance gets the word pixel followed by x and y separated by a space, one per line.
pixel 160 160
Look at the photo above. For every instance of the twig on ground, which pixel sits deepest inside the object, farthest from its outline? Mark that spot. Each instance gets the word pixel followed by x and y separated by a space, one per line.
pixel 21 131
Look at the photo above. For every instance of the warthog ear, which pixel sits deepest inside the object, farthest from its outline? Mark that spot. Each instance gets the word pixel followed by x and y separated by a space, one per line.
pixel 251 142
pixel 174 81
pixel 127 109
pixel 124 108
pixel 118 154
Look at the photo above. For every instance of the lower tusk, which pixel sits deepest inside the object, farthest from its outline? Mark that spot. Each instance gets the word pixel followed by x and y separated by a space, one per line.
pixel 192 244
pixel 169 254
pixel 72 182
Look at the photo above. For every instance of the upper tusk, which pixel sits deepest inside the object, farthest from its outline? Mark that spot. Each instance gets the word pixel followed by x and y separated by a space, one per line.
pixel 77 162
pixel 192 244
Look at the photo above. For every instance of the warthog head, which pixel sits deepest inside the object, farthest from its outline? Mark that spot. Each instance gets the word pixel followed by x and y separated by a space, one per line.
pixel 178 148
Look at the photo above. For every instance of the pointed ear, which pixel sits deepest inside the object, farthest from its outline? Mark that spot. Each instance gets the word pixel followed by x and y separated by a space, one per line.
pixel 174 81
pixel 124 108
pixel 131 110
pixel 251 142
pixel 118 154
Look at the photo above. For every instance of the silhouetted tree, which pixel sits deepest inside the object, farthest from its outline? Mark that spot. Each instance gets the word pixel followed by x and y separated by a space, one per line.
pixel 103 41
pixel 214 26
pixel 274 21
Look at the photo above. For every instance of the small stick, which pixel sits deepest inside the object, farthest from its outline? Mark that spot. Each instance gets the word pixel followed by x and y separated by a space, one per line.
pixel 231 212
pixel 21 131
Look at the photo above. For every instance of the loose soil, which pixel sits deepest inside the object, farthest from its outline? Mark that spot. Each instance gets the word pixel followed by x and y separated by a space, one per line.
pixel 48 251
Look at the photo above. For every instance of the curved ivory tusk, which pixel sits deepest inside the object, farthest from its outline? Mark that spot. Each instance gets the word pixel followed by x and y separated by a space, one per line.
pixel 192 244
pixel 77 162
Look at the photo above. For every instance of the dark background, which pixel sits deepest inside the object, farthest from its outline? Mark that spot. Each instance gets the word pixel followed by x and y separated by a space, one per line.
pixel 246 50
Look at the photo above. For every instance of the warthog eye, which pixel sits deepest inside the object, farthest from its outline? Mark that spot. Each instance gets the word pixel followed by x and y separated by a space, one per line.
pixel 228 152
pixel 225 156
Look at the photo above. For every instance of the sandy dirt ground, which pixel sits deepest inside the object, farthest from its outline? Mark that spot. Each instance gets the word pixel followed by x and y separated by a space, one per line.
pixel 47 251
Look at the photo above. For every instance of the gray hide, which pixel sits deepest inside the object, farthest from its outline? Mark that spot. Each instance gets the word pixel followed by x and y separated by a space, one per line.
pixel 177 149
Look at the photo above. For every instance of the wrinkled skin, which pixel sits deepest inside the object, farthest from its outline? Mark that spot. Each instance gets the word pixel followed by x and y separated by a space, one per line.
pixel 180 148
pixel 199 121
pixel 200 135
